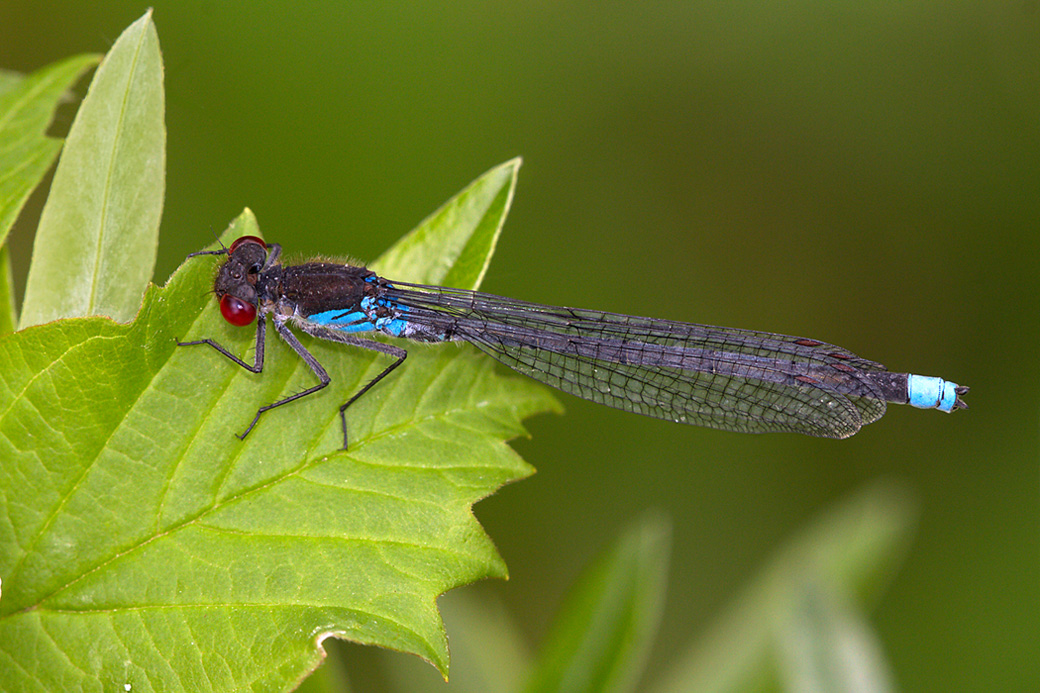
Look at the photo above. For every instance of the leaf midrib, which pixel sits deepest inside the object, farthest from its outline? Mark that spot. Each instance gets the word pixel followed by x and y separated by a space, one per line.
pixel 243 494
pixel 110 174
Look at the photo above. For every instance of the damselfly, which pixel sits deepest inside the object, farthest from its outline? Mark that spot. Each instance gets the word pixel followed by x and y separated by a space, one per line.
pixel 737 380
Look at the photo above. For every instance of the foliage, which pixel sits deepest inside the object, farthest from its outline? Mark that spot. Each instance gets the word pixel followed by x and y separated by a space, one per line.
pixel 143 547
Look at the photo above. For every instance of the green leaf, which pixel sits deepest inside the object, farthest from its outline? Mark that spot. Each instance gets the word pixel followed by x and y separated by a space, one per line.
pixel 488 651
pixel 330 677
pixel 107 195
pixel 141 543
pixel 8 312
pixel 602 637
pixel 27 105
pixel 466 227
pixel 825 644
pixel 9 79
pixel 852 550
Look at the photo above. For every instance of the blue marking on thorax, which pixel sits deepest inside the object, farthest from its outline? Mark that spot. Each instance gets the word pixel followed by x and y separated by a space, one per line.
pixel 365 318
pixel 392 326
pixel 927 392
pixel 344 321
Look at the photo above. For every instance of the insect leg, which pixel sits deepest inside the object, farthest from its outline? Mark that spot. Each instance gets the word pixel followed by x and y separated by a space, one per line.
pixel 335 336
pixel 258 360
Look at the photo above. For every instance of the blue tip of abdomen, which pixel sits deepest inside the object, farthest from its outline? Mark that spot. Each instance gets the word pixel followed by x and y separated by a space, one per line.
pixel 927 392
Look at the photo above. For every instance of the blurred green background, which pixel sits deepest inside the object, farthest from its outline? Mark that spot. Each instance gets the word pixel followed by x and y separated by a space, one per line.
pixel 865 173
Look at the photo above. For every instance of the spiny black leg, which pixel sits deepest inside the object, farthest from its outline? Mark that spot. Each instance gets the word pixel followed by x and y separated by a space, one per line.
pixel 258 362
pixel 343 410
pixel 319 371
pixel 274 250
pixel 321 333
pixel 223 251
pixel 388 349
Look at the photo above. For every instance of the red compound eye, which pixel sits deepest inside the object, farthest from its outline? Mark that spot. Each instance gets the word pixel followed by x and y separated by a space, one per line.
pixel 235 310
pixel 246 239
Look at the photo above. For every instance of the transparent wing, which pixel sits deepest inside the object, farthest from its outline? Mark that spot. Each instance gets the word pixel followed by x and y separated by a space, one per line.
pixel 737 380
